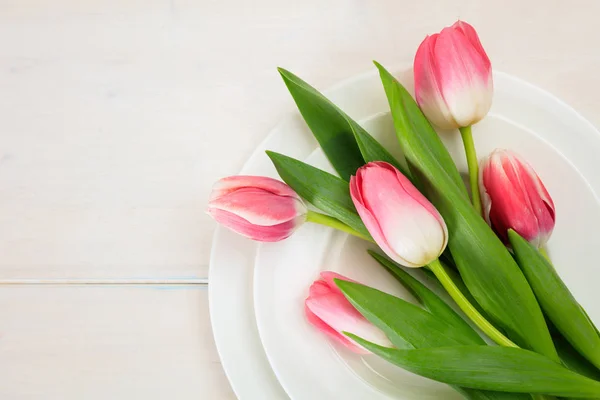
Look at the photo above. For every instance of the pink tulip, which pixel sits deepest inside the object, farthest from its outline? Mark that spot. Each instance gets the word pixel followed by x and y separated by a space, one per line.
pixel 514 197
pixel 401 220
pixel 257 207
pixel 329 311
pixel 453 77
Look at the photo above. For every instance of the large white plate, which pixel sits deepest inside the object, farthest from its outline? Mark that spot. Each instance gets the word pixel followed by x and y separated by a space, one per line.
pixel 561 145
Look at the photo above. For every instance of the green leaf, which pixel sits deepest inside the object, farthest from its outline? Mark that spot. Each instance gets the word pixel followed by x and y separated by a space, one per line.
pixel 430 300
pixel 405 324
pixel 556 300
pixel 331 126
pixel 572 359
pixel 475 394
pixel 455 277
pixel 323 190
pixel 383 311
pixel 410 121
pixel 372 150
pixel 503 369
pixel 486 267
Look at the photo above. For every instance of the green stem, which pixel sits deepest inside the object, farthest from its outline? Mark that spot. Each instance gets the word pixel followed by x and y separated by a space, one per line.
pixel 467 138
pixel 440 272
pixel 326 220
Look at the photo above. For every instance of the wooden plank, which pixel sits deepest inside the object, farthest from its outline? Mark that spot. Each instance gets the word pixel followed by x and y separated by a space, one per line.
pixel 103 342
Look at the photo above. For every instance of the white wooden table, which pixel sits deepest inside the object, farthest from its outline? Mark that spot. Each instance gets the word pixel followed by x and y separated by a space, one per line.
pixel 117 115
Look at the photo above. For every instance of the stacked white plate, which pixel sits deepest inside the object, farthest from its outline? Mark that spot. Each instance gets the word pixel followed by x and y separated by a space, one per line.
pixel 268 349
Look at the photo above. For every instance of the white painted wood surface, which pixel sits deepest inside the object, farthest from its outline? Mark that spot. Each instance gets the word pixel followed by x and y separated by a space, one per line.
pixel 107 342
pixel 117 115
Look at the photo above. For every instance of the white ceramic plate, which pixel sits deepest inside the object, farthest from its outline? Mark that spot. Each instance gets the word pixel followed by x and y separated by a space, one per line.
pixel 562 147
pixel 558 142
pixel 232 260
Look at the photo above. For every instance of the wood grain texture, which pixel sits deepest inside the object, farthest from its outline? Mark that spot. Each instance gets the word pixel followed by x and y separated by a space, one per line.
pixel 102 342
pixel 117 116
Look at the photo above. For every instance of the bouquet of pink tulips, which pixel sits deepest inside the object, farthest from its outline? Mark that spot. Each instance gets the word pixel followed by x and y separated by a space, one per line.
pixel 485 244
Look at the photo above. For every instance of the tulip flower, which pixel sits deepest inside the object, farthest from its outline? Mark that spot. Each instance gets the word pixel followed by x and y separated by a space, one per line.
pixel 453 77
pixel 329 311
pixel 514 197
pixel 454 86
pixel 259 208
pixel 401 220
pixel 409 229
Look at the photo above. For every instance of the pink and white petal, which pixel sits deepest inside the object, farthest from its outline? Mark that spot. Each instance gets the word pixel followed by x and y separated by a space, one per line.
pixel 329 279
pixel 511 208
pixel 273 233
pixel 232 183
pixel 260 207
pixel 465 77
pixel 473 37
pixel 414 234
pixel 368 219
pixel 541 203
pixel 428 92
pixel 326 329
pixel 339 314
pixel 318 288
pixel 413 192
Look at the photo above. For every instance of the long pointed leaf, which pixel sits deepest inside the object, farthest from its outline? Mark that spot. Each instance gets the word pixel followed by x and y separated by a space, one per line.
pixel 323 190
pixel 495 368
pixel 430 300
pixel 393 316
pixel 331 126
pixel 487 268
pixel 476 394
pixel 556 300
pixel 413 144
pixel 372 150
pixel 404 323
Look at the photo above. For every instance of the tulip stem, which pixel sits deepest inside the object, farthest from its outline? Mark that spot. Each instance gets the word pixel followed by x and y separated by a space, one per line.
pixel 322 219
pixel 440 272
pixel 472 163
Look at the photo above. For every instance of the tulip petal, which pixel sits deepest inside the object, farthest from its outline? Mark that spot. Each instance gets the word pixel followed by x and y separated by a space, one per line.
pixel 260 207
pixel 323 327
pixel 471 34
pixel 319 288
pixel 542 205
pixel 409 223
pixel 464 76
pixel 339 314
pixel 273 233
pixel 232 183
pixel 518 199
pixel 329 279
pixel 369 219
pixel 427 88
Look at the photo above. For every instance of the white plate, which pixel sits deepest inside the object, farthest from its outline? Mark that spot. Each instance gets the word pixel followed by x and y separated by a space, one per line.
pixel 232 258
pixel 560 144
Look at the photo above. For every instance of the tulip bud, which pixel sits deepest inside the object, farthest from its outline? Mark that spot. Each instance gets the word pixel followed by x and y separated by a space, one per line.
pixel 329 311
pixel 514 197
pixel 257 207
pixel 401 220
pixel 453 77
